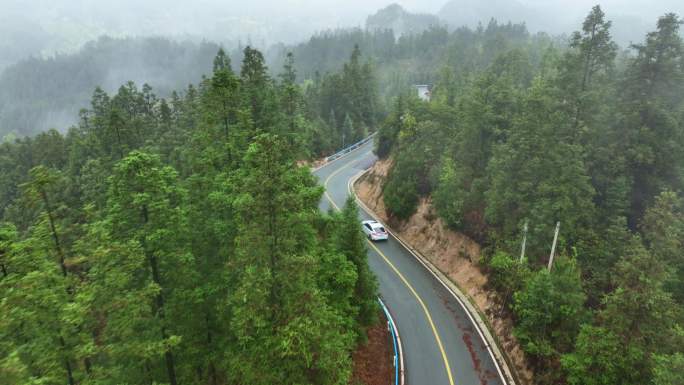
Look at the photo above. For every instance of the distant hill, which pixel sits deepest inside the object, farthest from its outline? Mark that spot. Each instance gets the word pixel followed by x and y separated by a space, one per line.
pixel 400 21
pixel 39 94
pixel 471 12
pixel 631 19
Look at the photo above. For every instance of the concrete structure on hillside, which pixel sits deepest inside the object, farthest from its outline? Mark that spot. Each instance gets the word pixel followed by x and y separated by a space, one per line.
pixel 423 92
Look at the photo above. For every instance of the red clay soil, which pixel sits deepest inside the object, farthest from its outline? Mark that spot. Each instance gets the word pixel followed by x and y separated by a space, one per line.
pixel 373 361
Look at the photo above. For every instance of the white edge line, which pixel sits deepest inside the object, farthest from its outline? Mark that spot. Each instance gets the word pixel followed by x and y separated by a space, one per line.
pixel 370 212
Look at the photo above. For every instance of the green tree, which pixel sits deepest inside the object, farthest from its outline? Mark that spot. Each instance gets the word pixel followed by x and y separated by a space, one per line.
pixel 507 275
pixel 663 230
pixel 550 310
pixel 529 182
pixel 637 323
pixel 599 359
pixel 669 369
pixel 125 341
pixel 652 93
pixel 143 206
pixel 8 235
pixel 279 315
pixel 222 99
pixel 351 243
pixel 259 94
pixel 587 67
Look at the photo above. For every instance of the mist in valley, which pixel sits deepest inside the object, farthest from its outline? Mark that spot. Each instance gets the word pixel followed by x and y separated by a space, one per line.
pixel 53 54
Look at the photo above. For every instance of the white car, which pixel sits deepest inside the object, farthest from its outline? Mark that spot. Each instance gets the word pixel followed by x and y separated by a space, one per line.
pixel 374 230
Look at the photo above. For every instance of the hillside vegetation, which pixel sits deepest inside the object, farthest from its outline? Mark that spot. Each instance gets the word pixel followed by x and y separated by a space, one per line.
pixel 39 94
pixel 585 136
pixel 177 241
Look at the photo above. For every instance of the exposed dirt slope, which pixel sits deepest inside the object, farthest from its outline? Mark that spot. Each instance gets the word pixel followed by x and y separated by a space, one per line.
pixel 373 361
pixel 455 254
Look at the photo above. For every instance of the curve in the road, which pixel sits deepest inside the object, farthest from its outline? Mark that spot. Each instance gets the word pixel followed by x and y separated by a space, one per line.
pixel 401 276
pixel 442 345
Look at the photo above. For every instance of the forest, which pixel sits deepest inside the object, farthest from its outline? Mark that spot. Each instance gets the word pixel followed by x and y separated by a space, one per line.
pixel 37 94
pixel 174 237
pixel 179 241
pixel 585 135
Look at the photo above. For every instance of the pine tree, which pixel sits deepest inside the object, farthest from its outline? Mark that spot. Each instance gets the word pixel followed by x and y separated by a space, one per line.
pixel 221 102
pixel 638 322
pixel 143 207
pixel 587 68
pixel 278 313
pixel 350 242
pixel 259 93
pixel 550 309
pixel 653 90
pixel 529 182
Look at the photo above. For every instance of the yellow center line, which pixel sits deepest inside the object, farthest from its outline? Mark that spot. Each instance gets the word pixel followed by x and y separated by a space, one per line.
pixel 401 276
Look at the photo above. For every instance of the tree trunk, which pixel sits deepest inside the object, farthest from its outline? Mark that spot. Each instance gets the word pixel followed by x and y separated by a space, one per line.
pixel 53 229
pixel 67 364
pixel 159 305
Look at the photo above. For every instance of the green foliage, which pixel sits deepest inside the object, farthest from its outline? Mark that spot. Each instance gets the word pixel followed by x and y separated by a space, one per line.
pixel 550 310
pixel 177 241
pixel 663 229
pixel 349 241
pixel 401 190
pixel 529 182
pixel 653 95
pixel 638 322
pixel 346 100
pixel 193 210
pixel 507 275
pixel 599 359
pixel 669 369
pixel 449 197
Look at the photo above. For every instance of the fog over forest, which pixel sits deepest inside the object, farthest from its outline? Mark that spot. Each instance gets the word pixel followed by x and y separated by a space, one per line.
pixel 44 27
pixel 53 53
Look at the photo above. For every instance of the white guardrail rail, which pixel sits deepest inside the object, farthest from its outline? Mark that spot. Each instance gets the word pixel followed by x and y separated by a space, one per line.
pixel 349 149
pixel 398 361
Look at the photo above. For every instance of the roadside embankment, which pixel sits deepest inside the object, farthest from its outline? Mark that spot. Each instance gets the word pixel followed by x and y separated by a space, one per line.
pixel 373 361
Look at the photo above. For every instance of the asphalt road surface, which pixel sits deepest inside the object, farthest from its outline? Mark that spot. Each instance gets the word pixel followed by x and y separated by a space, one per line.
pixel 441 345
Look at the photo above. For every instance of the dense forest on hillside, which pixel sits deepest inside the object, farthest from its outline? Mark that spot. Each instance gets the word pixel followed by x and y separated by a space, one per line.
pixel 587 137
pixel 416 58
pixel 178 241
pixel 38 94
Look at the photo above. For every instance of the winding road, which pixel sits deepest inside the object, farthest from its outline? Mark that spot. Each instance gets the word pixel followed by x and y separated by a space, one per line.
pixel 441 344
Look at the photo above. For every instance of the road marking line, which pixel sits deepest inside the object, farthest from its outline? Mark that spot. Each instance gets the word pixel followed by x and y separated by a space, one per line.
pixel 396 271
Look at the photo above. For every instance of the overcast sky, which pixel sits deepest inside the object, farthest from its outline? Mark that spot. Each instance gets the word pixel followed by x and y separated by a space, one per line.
pixel 34 27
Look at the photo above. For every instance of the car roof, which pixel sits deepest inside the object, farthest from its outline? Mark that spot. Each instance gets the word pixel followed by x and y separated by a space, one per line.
pixel 373 224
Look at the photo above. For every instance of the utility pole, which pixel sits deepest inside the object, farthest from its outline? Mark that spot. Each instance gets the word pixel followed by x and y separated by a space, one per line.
pixel 553 247
pixel 524 242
